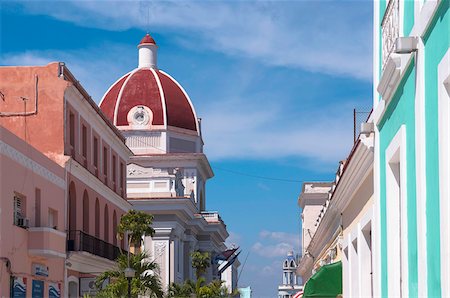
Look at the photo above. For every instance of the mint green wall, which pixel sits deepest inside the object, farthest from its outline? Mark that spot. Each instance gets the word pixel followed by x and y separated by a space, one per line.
pixel 401 110
pixel 436 45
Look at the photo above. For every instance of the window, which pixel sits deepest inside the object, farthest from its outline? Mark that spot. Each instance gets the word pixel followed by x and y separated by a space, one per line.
pixel 396 194
pixel 84 141
pixel 52 218
pixel 122 184
pixel 105 162
pixel 85 212
pixel 72 129
pixel 37 218
pixel 114 170
pixel 115 228
pixel 97 218
pixel 96 152
pixel 106 225
pixel 19 210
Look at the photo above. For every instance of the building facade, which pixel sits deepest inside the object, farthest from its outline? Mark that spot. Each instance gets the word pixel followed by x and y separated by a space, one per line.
pixel 47 108
pixel 412 165
pixel 32 229
pixel 337 221
pixel 167 175
pixel 291 284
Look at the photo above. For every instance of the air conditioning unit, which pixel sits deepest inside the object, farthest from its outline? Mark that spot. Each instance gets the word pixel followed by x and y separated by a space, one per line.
pixel 23 222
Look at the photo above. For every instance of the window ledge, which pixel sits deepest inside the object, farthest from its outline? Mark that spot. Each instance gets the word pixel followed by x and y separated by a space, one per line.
pixel 391 77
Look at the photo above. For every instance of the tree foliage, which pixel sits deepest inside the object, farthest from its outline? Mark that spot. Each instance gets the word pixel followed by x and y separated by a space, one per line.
pixel 137 224
pixel 146 281
pixel 198 289
pixel 200 262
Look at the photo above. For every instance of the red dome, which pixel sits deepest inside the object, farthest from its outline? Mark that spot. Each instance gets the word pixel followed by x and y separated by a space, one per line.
pixel 169 103
pixel 147 39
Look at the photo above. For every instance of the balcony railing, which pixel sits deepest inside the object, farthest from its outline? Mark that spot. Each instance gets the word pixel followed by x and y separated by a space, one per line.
pixel 80 241
pixel 211 216
pixel 390 29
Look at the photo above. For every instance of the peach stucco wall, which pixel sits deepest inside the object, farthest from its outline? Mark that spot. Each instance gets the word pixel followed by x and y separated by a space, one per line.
pixel 44 130
pixel 16 178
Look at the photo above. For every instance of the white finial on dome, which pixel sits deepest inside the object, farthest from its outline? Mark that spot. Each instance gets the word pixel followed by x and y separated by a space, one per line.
pixel 147 52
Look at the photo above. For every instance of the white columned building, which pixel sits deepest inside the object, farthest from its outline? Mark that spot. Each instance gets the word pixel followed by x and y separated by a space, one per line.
pixel 167 175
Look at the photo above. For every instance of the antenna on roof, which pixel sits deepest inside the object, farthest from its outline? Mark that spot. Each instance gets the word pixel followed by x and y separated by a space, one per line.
pixel 148 19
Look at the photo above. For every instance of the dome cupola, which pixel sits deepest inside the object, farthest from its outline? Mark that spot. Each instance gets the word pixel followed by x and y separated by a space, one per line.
pixel 148 98
pixel 148 52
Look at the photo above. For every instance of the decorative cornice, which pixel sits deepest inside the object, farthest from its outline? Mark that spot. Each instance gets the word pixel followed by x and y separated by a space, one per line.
pixel 30 164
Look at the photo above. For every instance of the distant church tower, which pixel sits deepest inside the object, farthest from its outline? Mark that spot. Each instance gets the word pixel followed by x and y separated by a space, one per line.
pixel 290 285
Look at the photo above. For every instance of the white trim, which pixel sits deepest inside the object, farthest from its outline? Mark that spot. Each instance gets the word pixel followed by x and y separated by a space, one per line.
pixel 163 100
pixel 30 164
pixel 425 17
pixel 71 279
pixel 396 153
pixel 47 253
pixel 444 168
pixel 376 231
pixel 110 87
pixel 375 51
pixel 119 96
pixel 391 77
pixel 47 229
pixel 94 183
pixel 187 96
pixel 420 144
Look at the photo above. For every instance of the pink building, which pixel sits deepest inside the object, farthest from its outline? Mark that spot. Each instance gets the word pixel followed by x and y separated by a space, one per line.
pixel 32 229
pixel 50 110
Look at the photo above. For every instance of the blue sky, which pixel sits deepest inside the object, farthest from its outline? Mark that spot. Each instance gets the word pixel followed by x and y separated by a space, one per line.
pixel 275 84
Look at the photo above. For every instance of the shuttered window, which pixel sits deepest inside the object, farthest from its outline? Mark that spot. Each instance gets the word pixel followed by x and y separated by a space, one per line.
pixel 19 209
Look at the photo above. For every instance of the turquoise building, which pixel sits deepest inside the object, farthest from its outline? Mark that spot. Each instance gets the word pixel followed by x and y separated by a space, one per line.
pixel 411 116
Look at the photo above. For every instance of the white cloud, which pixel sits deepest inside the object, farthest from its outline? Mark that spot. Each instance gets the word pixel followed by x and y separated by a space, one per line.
pixel 325 36
pixel 233 127
pixel 276 244
pixel 248 130
pixel 95 70
pixel 233 239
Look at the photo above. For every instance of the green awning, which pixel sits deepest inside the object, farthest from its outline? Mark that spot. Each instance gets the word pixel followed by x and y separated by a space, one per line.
pixel 325 283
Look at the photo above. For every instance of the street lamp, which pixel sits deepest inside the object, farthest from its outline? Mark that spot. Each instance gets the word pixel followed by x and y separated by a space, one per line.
pixel 129 274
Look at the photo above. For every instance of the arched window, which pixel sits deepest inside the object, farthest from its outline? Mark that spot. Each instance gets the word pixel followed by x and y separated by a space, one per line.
pixel 97 218
pixel 85 212
pixel 114 228
pixel 72 207
pixel 106 225
pixel 292 264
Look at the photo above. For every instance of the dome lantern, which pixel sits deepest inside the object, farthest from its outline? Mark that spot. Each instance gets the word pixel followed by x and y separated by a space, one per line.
pixel 148 51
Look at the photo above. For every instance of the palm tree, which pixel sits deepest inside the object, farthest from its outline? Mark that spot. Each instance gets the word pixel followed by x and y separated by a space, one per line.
pixel 200 261
pixel 146 281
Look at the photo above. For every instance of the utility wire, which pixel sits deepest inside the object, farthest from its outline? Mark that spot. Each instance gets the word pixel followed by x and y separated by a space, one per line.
pixel 238 172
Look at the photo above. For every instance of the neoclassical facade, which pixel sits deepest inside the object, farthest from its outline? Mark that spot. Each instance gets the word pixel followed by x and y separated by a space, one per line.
pixel 291 284
pixel 167 174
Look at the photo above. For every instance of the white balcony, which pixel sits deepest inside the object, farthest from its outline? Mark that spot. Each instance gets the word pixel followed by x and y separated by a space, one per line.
pixel 390 29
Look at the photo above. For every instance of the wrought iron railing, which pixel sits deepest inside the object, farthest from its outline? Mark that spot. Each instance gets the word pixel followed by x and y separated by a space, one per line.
pixel 81 241
pixel 390 29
